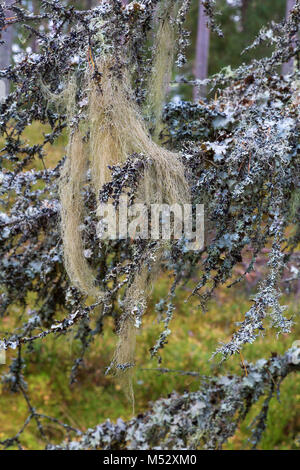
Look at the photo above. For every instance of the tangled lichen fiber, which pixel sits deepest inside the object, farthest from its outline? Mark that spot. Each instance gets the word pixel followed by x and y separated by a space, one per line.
pixel 117 129
pixel 72 180
pixel 134 305
pixel 124 357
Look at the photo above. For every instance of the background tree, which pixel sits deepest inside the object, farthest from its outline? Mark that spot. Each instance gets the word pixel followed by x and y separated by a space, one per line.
pixel 240 151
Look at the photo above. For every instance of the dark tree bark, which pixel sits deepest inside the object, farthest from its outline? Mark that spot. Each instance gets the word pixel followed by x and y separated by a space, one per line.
pixel 6 51
pixel 288 67
pixel 202 52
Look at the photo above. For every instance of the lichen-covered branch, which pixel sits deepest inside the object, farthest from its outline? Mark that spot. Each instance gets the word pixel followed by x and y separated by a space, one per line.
pixel 203 419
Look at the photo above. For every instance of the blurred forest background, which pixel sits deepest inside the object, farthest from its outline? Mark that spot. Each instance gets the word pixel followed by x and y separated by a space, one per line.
pixel 194 335
pixel 240 21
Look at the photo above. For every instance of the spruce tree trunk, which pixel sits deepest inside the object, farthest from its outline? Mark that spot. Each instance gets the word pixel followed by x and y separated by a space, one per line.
pixel 6 51
pixel 202 52
pixel 288 67
pixel 89 4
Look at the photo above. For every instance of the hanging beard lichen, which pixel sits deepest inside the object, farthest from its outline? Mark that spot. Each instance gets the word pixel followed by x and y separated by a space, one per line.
pixel 134 306
pixel 116 129
pixel 72 180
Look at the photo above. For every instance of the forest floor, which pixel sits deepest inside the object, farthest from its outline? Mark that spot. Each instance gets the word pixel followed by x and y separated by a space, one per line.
pixel 195 336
